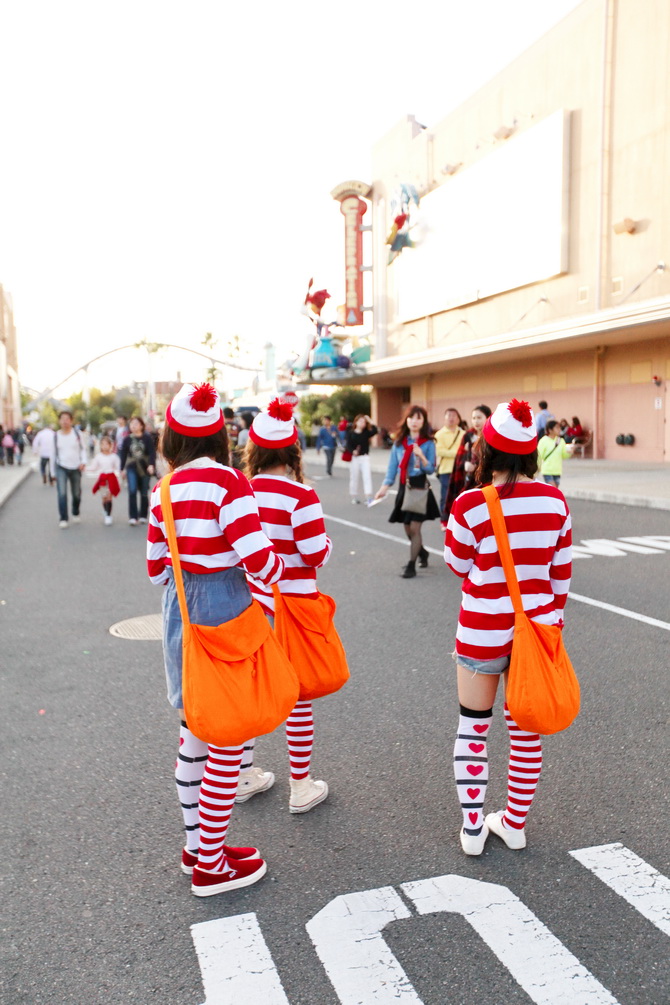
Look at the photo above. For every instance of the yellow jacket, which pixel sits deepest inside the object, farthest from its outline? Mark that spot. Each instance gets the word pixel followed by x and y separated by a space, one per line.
pixel 447 442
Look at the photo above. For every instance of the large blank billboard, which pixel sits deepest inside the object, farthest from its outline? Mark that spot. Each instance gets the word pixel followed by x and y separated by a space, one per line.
pixel 492 227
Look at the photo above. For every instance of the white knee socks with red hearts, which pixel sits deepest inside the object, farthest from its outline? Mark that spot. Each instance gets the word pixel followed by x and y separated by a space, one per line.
pixel 188 773
pixel 471 766
pixel 525 765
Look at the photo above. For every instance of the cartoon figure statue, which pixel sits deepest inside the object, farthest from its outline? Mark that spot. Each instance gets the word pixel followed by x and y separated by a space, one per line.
pixel 405 200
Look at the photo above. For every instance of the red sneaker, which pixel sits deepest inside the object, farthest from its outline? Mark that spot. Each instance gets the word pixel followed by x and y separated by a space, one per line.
pixel 189 860
pixel 243 872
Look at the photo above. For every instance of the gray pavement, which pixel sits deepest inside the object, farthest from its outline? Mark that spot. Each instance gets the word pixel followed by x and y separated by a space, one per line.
pixel 13 475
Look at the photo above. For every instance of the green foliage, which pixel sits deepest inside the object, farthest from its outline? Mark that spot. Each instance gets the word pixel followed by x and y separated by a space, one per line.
pixel 348 401
pixel 127 405
pixel 48 415
pixel 307 409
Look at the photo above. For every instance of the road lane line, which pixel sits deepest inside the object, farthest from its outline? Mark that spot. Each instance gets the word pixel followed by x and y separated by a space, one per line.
pixel 347 937
pixel 235 962
pixel 577 597
pixel 645 889
pixel 538 961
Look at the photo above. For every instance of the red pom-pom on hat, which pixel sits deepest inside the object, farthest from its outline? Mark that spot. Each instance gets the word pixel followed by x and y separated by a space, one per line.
pixel 203 398
pixel 280 410
pixel 520 410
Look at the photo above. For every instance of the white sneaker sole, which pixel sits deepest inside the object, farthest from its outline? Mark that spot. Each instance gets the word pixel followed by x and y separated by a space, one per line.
pixel 515 840
pixel 310 806
pixel 244 797
pixel 232 884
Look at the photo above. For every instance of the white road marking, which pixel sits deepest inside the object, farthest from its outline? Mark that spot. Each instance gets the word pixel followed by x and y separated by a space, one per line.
pixel 577 597
pixel 620 610
pixel 536 959
pixel 645 889
pixel 235 962
pixel 347 938
pixel 617 548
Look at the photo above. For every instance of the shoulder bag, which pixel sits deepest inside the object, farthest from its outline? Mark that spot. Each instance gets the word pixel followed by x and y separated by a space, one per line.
pixel 237 681
pixel 305 629
pixel 542 690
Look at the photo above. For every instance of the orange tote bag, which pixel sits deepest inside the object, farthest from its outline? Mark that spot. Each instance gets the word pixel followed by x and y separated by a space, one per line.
pixel 305 629
pixel 542 688
pixel 237 681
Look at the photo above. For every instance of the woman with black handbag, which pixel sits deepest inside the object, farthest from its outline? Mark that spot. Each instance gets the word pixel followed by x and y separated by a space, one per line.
pixel 413 456
pixel 219 538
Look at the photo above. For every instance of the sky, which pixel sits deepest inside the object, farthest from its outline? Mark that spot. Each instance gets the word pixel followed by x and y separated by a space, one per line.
pixel 166 168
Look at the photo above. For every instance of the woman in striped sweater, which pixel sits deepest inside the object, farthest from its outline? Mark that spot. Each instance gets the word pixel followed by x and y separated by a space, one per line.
pixel 220 538
pixel 292 518
pixel 538 524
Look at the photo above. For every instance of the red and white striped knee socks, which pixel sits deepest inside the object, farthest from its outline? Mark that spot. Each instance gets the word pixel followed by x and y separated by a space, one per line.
pixel 188 773
pixel 471 766
pixel 300 738
pixel 217 798
pixel 525 765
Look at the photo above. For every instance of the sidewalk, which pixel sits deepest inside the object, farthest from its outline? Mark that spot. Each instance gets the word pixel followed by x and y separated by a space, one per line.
pixel 626 483
pixel 11 476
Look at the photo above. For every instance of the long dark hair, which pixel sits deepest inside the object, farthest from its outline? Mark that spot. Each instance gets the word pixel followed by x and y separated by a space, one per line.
pixel 403 429
pixel 515 465
pixel 178 449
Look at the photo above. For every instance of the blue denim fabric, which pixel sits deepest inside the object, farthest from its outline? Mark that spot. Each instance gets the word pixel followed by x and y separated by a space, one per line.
pixel 414 467
pixel 137 483
pixel 495 666
pixel 212 599
pixel 444 482
pixel 63 476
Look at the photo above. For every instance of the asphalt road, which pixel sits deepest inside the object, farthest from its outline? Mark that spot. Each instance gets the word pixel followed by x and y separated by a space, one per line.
pixel 95 908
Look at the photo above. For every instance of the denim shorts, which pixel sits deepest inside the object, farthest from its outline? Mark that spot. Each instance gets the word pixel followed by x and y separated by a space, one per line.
pixel 212 599
pixel 496 666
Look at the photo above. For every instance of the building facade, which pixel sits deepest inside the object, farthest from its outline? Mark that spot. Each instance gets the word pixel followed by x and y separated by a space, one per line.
pixel 541 258
pixel 10 392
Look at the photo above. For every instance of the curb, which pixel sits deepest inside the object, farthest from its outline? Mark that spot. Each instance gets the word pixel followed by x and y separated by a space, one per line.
pixel 593 495
pixel 6 492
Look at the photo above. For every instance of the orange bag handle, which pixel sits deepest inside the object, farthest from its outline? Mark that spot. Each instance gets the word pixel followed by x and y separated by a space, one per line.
pixel 502 540
pixel 171 530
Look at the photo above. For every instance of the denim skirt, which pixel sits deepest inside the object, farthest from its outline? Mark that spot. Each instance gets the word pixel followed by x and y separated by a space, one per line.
pixel 212 599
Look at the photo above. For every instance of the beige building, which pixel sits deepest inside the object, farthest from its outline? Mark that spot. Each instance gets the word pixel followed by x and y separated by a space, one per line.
pixel 542 259
pixel 10 396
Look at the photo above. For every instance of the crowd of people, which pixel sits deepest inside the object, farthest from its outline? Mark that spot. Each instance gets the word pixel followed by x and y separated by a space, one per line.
pixel 248 524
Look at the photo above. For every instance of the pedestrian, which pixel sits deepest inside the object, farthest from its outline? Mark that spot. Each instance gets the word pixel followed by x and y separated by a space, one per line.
pixel 358 445
pixel 542 418
pixel 138 462
pixel 327 440
pixel 466 460
pixel 8 443
pixel 68 460
pixel 342 427
pixel 292 518
pixel 42 446
pixel 20 439
pixel 551 451
pixel 447 441
pixel 575 431
pixel 219 539
pixel 121 432
pixel 413 456
pixel 107 465
pixel 538 520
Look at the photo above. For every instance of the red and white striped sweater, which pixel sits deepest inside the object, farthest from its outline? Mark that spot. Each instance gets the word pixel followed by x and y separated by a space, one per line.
pixel 292 518
pixel 217 523
pixel 540 536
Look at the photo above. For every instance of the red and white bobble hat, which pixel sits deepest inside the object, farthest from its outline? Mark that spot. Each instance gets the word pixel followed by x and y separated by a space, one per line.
pixel 511 428
pixel 275 428
pixel 195 411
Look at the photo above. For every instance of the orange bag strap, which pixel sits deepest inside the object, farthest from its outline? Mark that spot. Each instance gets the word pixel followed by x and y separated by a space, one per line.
pixel 502 540
pixel 171 530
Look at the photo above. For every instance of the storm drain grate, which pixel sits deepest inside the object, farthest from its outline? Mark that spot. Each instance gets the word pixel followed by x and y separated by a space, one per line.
pixel 149 627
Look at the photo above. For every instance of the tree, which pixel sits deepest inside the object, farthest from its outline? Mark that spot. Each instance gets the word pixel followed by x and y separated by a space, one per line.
pixel 349 401
pixel 307 410
pixel 127 405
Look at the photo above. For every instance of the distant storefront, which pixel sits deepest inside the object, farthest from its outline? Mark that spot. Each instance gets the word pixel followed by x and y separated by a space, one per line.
pixel 533 226
pixel 10 392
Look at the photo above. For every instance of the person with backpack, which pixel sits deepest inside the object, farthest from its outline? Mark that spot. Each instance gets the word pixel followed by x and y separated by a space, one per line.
pixel 138 461
pixel 551 451
pixel 68 460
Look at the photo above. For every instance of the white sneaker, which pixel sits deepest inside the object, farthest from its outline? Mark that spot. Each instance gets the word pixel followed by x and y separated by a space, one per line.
pixel 143 519
pixel 355 502
pixel 132 523
pixel 76 519
pixel 514 839
pixel 107 520
pixel 63 525
pixel 473 844
pixel 306 794
pixel 253 781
